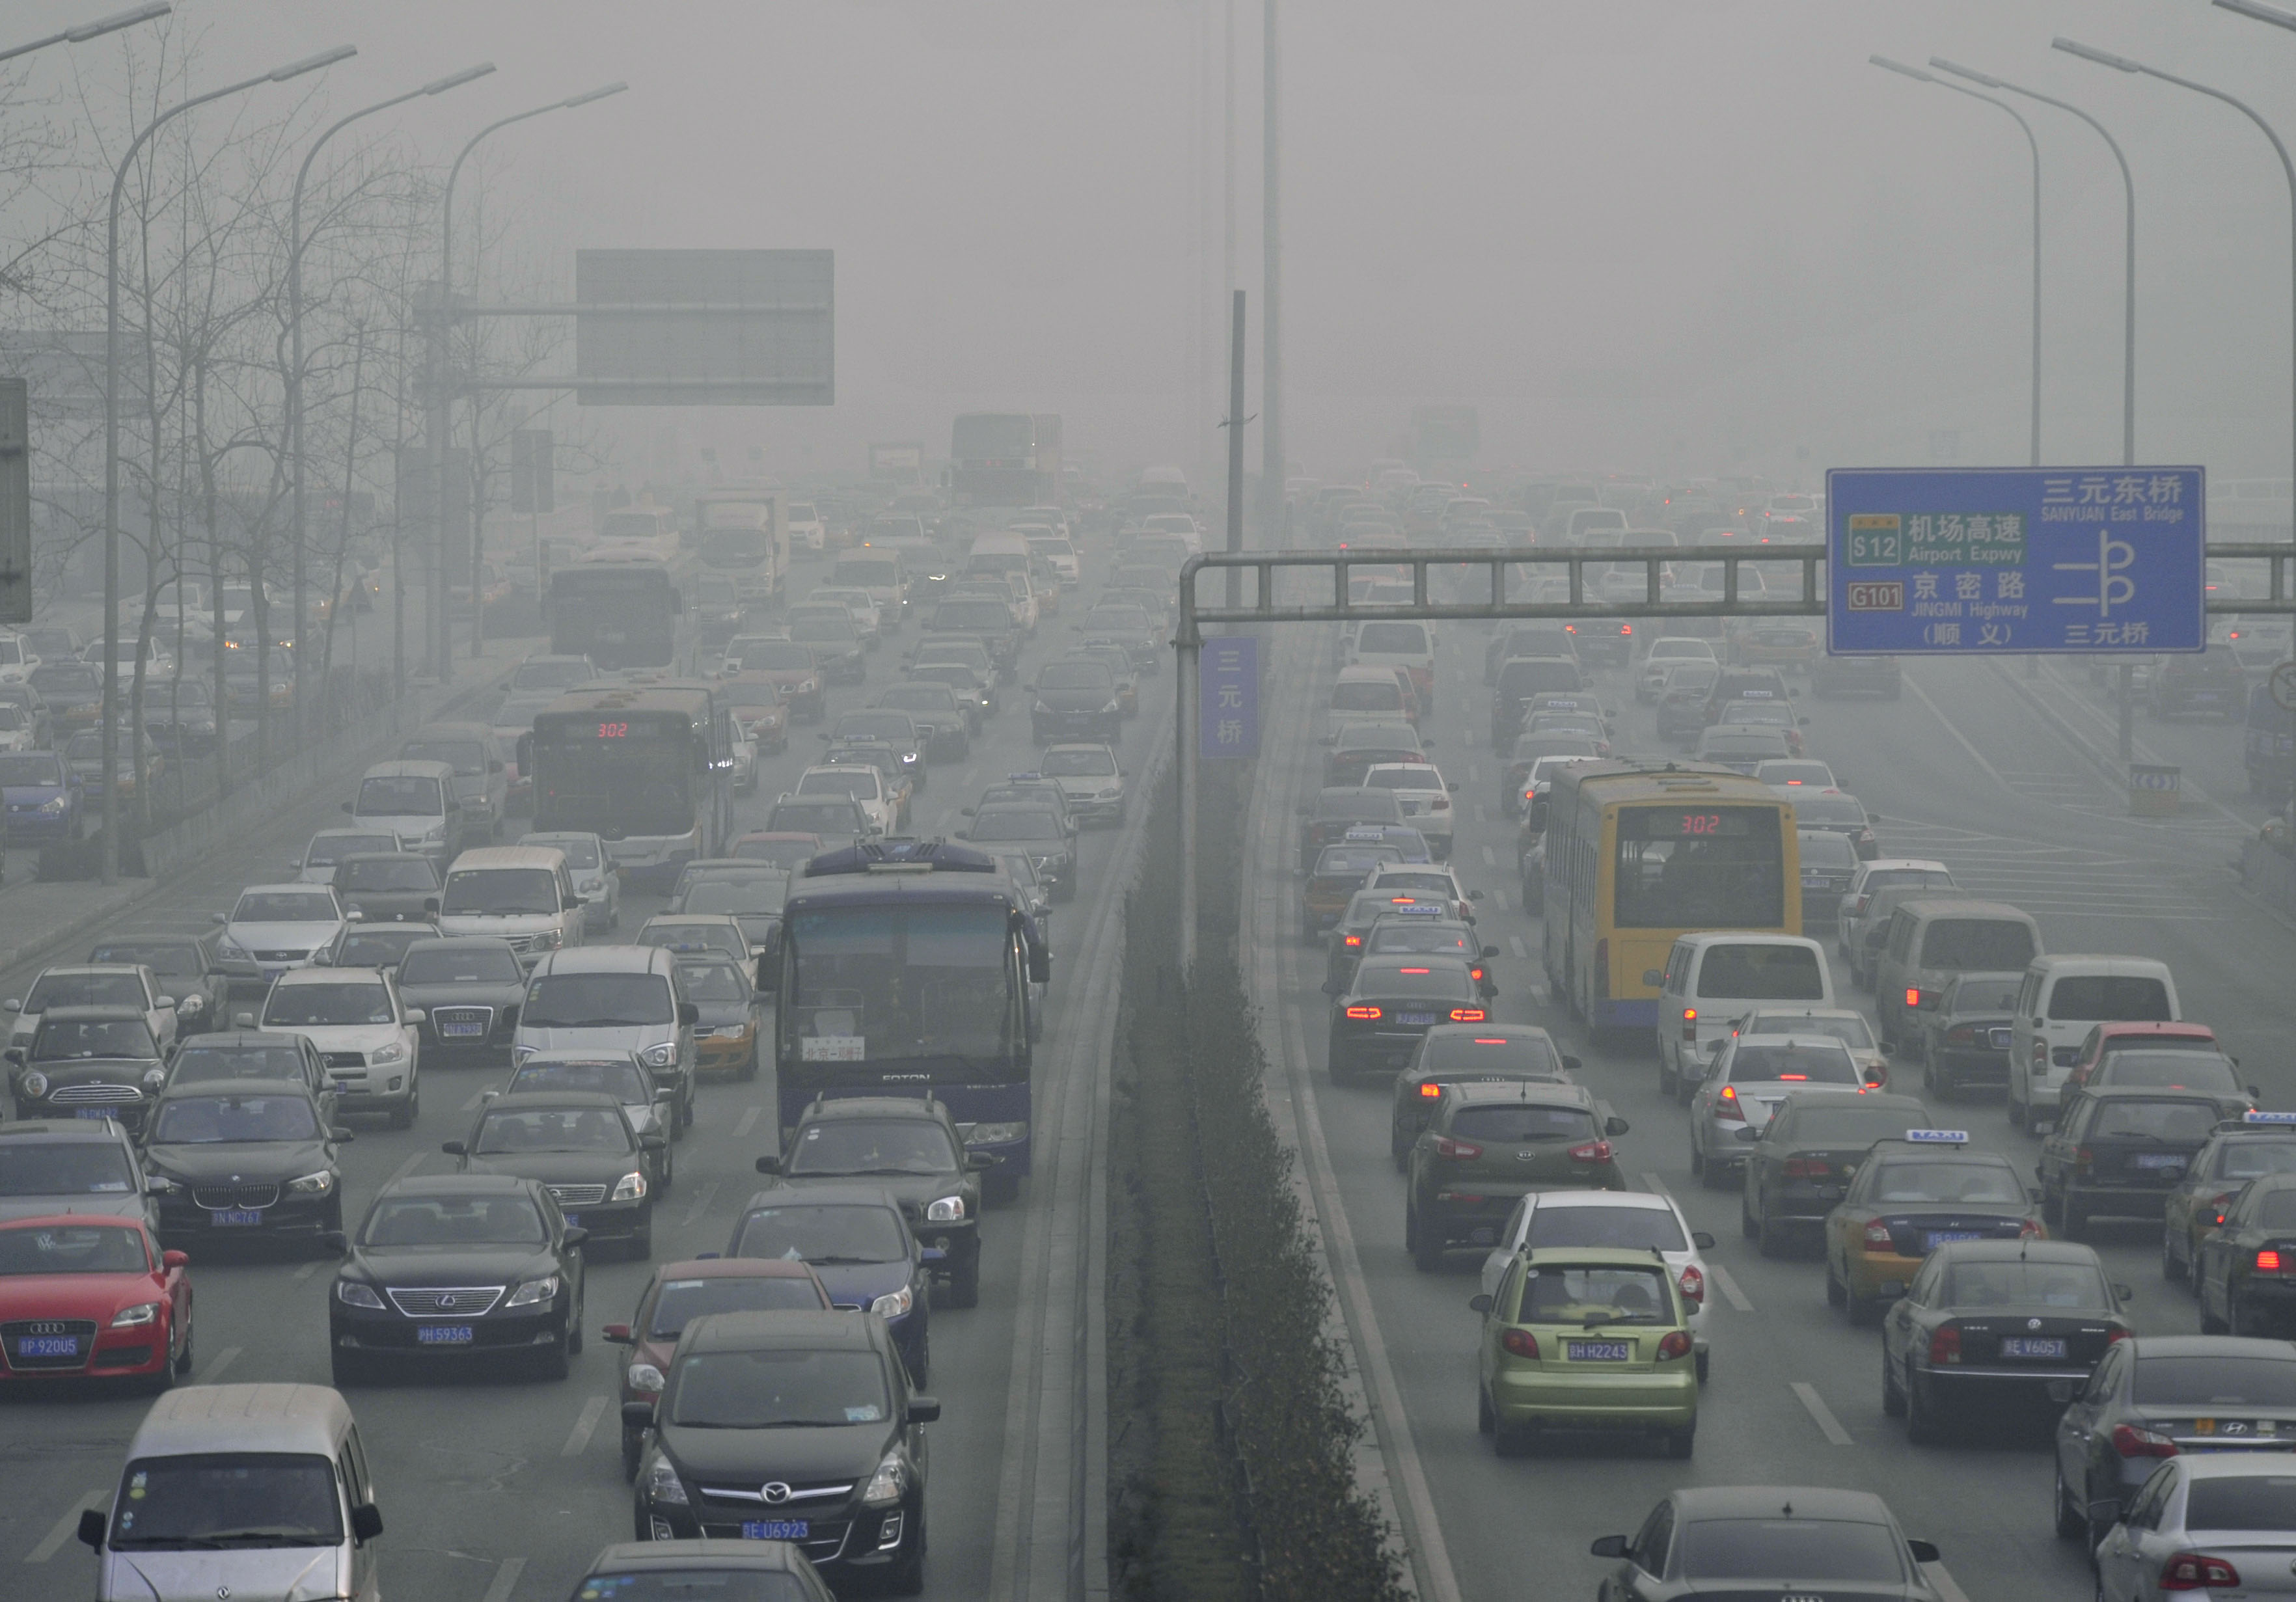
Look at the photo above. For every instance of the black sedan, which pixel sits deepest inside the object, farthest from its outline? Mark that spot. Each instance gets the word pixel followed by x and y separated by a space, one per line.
pixel 1805 1156
pixel 650 1569
pixel 888 727
pixel 389 888
pixel 449 1267
pixel 1964 1040
pixel 1392 1002
pixel 186 964
pixel 1036 829
pixel 89 1062
pixel 270 1054
pixel 1988 1322
pixel 580 1146
pixel 244 1159
pixel 795 1426
pixel 2120 1152
pixel 1737 1541
pixel 470 988
pixel 2245 1273
pixel 1075 699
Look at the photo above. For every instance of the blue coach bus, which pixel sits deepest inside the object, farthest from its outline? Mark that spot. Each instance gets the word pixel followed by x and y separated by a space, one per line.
pixel 905 966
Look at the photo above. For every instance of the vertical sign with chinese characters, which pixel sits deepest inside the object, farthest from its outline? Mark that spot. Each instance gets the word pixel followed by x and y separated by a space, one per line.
pixel 2015 561
pixel 1227 684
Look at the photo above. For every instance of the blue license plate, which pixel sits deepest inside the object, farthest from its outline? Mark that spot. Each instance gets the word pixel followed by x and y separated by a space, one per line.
pixel 1598 1351
pixel 1813 881
pixel 2159 1159
pixel 93 1112
pixel 573 1221
pixel 48 1345
pixel 2022 1345
pixel 1415 1018
pixel 442 1335
pixel 461 1031
pixel 776 1529
pixel 234 1218
pixel 1936 1237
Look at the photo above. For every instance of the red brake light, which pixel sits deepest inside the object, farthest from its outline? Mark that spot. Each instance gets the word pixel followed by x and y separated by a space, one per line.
pixel 1626 628
pixel 1793 1076
pixel 1415 970
pixel 1518 1342
pixel 1674 1344
pixel 1593 1151
pixel 1692 1284
pixel 1466 1151
pixel 1726 1108
pixel 1352 940
pixel 1945 1345
pixel 1806 1168
pixel 1466 1014
pixel 2131 1441
pixel 1482 1040
pixel 2196 1571
pixel 2267 1263
pixel 1877 1233
pixel 1913 996
pixel 1690 1024
pixel 1432 1090
pixel 1363 1014
pixel 2030 1229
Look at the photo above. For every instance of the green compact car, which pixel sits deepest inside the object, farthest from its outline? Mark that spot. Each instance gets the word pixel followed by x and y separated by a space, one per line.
pixel 1489 1142
pixel 1586 1338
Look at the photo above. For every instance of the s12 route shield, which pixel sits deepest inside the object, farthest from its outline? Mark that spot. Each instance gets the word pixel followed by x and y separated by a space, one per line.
pixel 1930 562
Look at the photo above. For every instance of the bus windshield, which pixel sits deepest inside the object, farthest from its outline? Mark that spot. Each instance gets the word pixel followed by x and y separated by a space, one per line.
pixel 880 984
pixel 1700 867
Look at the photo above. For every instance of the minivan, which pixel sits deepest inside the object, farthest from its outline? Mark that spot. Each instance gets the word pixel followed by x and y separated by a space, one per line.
pixel 209 1462
pixel 523 895
pixel 2061 998
pixel 1931 940
pixel 1366 695
pixel 415 801
pixel 613 998
pixel 1387 643
pixel 1711 978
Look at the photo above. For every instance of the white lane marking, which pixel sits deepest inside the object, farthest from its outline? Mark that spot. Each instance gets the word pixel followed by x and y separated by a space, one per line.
pixel 477 1098
pixel 1657 1186
pixel 1827 1424
pixel 700 1205
pixel 505 1580
pixel 1943 1583
pixel 216 1365
pixel 1506 901
pixel 1728 1286
pixel 1520 949
pixel 67 1526
pixel 578 1440
pixel 1490 857
pixel 307 1270
pixel 1482 814
pixel 1474 774
pixel 1959 738
pixel 941 824
pixel 748 1122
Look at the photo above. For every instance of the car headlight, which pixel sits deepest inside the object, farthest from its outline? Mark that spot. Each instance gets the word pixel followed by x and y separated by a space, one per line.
pixel 661 1056
pixel 895 1305
pixel 662 1484
pixel 313 1184
pixel 232 951
pixel 630 1187
pixel 549 940
pixel 53 807
pixel 591 887
pixel 535 1290
pixel 393 1052
pixel 995 1135
pixel 949 1209
pixel 351 1293
pixel 153 1078
pixel 646 1377
pixel 143 1312
pixel 886 1485
pixel 1112 707
pixel 36 1084
pixel 191 1006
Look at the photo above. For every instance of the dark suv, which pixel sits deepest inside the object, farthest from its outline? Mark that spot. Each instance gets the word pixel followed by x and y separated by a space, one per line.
pixel 2210 683
pixel 1489 1142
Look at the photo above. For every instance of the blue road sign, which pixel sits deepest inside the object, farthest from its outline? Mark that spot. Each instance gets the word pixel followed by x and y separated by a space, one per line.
pixel 1227 720
pixel 1928 561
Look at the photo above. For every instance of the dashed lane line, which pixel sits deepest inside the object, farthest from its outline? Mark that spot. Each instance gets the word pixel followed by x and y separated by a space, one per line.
pixel 700 1205
pixel 505 1580
pixel 748 1122
pixel 1514 943
pixel 1728 1286
pixel 1490 857
pixel 67 1526
pixel 1822 1415
pixel 577 1440
pixel 217 1363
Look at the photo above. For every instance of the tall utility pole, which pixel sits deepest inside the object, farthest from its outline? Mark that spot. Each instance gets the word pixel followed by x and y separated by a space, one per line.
pixel 1271 359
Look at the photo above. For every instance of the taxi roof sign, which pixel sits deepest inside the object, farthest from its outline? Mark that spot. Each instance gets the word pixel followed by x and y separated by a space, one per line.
pixel 2254 1116
pixel 1365 834
pixel 1939 1137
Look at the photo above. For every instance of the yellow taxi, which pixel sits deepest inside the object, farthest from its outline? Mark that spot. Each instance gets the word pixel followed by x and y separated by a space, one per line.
pixel 1911 1195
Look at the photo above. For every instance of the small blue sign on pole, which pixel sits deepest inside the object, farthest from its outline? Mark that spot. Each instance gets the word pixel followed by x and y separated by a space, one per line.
pixel 1228 711
pixel 1945 561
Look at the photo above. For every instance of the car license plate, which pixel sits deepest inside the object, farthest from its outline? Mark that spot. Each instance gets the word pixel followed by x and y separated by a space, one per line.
pixel 93 1112
pixel 1936 1237
pixel 442 1335
pixel 271 971
pixel 1415 1018
pixel 461 1031
pixel 1998 1039
pixel 48 1345
pixel 776 1529
pixel 1813 881
pixel 573 1221
pixel 1598 1351
pixel 2023 1346
pixel 2159 1159
pixel 234 1218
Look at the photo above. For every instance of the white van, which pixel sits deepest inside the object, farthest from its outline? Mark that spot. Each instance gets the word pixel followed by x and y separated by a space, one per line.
pixel 2064 997
pixel 524 894
pixel 1711 978
pixel 415 801
pixel 1398 643
pixel 211 1460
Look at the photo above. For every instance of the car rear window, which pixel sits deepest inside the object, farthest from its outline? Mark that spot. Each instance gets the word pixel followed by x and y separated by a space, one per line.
pixel 2188 1122
pixel 1637 1228
pixel 2170 1070
pixel 1977 946
pixel 1757 972
pixel 2214 1381
pixel 1992 995
pixel 2249 1502
pixel 1442 980
pixel 2247 1159
pixel 1811 1063
pixel 2109 998
pixel 1521 1124
pixel 1489 1053
pixel 1400 639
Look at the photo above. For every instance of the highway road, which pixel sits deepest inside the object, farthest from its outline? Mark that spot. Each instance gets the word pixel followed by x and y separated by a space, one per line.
pixel 502 1490
pixel 1962 768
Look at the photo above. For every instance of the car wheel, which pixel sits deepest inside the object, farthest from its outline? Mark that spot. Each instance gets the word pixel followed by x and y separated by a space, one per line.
pixel 2052 1213
pixel 1837 1294
pixel 642 1242
pixel 2076 1217
pixel 1746 1224
pixel 1399 1150
pixel 404 1114
pixel 2073 1518
pixel 1893 1394
pixel 2172 1269
pixel 1486 1421
pixel 965 1280
pixel 633 1448
pixel 1769 1239
pixel 907 1578
pixel 1921 1421
pixel 2241 1318
pixel 1697 1162
pixel 574 1323
pixel 1669 1083
pixel 1680 1442
pixel 668 1169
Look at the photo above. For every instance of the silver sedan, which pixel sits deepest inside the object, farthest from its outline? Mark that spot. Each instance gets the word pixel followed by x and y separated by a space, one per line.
pixel 2215 1523
pixel 1749 1078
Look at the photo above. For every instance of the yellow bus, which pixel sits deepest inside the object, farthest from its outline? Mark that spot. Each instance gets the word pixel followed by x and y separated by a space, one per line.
pixel 1638 853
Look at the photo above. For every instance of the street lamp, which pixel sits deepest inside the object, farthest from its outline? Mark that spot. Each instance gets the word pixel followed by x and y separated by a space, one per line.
pixel 309 63
pixel 2129 290
pixel 295 242
pixel 440 410
pixel 1918 76
pixel 2121 64
pixel 93 30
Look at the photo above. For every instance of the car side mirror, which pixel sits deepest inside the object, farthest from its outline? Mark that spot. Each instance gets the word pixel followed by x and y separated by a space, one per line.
pixel 1747 1135
pixel 1479 1303
pixel 576 1237
pixel 618 1334
pixel 1924 1551
pixel 924 1409
pixel 1704 1241
pixel 366 1522
pixel 430 905
pixel 653 1140
pixel 342 1137
pixel 1608 1546
pixel 688 1014
pixel 768 1165
pixel 637 1415
pixel 170 1002
pixel 175 1260
pixel 980 1160
pixel 1615 1126
pixel 454 1148
pixel 355 915
pixel 1571 1065
pixel 1453 788
pixel 14 1054
pixel 93 1523
pixel 242 1020
pixel 494 764
pixel 1803 722
pixel 1474 896
pixel 214 918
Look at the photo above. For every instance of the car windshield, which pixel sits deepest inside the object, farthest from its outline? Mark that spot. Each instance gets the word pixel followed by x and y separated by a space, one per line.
pixel 1986 996
pixel 197 1064
pixel 454 1221
pixel 63 1168
pixel 381 948
pixel 54 1248
pixel 391 873
pixel 580 851
pixel 1595 1295
pixel 404 796
pixel 460 965
pixel 1118 619
pixel 1363 696
pixel 1522 1125
pixel 213 1120
pixel 825 1233
pixel 2216 1380
pixel 2247 1159
pixel 280 906
pixel 1076 764
pixel 70 1039
pixel 2179 1122
pixel 1076 675
pixel 1489 1054
pixel 759 893
pixel 842 817
pixel 792 854
pixel 719 982
pixel 229 1501
pixel 596 1001
pixel 1436 981
pixel 1804 1550
pixel 864 783
pixel 52 679
pixel 1636 1229
pixel 52 990
pixel 1904 1181
pixel 501 893
pixel 681 1301
pixel 2276 1210
pixel 516 1131
pixel 777 1389
pixel 317 1006
pixel 467 757
pixel 2170 1070
pixel 1812 1062
pixel 1403 779
pixel 174 958
pixel 1016 823
pixel 621 1080
pixel 1851 1030
pixel 31 769
pixel 850 1146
